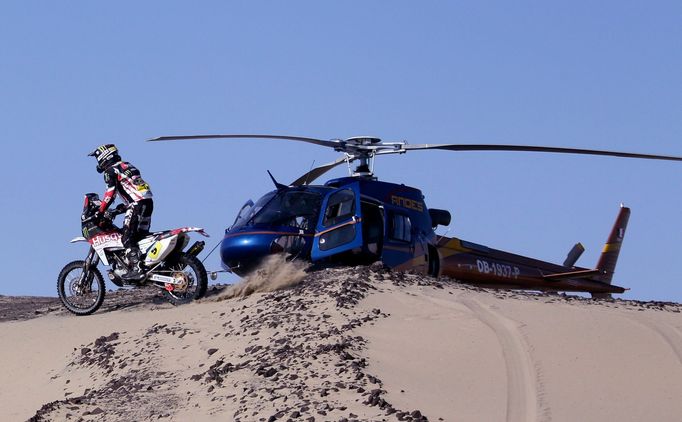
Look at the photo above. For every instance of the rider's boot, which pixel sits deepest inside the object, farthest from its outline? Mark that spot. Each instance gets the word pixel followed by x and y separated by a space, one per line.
pixel 134 273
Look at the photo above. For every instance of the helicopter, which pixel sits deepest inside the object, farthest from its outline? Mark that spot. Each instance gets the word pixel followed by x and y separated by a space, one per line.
pixel 359 219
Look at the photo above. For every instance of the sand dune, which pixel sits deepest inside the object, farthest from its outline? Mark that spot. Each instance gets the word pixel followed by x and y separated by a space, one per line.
pixel 469 355
pixel 347 344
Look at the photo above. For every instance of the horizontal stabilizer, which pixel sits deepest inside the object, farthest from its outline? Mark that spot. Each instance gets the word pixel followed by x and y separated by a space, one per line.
pixel 574 254
pixel 572 274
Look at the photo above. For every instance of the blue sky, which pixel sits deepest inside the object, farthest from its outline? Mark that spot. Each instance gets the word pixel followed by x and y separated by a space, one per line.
pixel 602 75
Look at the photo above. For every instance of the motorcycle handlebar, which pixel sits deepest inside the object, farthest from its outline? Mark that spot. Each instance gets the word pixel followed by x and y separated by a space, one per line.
pixel 108 214
pixel 111 214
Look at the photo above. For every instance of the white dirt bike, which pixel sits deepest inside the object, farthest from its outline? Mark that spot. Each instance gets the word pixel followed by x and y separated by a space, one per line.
pixel 164 263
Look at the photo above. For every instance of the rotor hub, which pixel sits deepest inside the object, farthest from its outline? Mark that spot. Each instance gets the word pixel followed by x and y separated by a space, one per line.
pixel 363 140
pixel 364 149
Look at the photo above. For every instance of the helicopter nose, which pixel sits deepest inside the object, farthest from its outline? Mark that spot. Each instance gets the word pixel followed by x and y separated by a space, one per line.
pixel 240 254
pixel 243 252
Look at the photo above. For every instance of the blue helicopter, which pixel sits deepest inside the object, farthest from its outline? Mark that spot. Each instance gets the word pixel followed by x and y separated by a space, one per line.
pixel 359 220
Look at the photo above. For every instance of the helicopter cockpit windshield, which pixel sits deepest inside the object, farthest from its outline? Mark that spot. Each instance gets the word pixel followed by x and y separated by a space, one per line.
pixel 294 208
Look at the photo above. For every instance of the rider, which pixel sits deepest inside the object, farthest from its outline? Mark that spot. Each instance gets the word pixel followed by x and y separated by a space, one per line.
pixel 123 178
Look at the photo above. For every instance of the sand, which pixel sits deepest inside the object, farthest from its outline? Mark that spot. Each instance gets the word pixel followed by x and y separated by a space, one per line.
pixel 346 344
pixel 468 355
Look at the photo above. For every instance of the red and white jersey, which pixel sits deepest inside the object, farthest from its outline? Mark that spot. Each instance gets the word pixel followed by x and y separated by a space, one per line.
pixel 123 178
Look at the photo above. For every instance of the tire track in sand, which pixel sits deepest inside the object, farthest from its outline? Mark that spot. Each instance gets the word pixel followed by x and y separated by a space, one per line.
pixel 669 334
pixel 522 391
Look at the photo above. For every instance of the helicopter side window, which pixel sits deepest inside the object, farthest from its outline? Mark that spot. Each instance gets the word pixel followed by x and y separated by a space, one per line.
pixel 401 228
pixel 340 207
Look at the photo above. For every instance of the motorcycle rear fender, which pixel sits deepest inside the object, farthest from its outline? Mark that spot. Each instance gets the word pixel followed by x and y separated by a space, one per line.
pixel 78 239
pixel 186 230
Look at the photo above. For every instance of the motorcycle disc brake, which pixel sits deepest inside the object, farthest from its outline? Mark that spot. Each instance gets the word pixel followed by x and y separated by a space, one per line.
pixel 181 280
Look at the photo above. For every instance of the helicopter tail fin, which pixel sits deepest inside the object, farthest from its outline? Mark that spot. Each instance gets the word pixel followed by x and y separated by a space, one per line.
pixel 609 256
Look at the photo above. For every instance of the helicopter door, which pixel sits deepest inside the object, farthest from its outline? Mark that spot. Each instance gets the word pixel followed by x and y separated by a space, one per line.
pixel 339 228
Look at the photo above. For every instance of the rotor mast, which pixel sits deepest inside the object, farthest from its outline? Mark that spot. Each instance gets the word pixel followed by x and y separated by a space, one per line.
pixel 364 149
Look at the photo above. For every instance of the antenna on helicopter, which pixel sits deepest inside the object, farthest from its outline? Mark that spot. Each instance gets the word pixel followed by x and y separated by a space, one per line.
pixel 311 167
pixel 278 185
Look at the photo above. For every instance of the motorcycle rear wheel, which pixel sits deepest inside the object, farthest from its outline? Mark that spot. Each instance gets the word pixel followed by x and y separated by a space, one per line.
pixel 189 267
pixel 80 295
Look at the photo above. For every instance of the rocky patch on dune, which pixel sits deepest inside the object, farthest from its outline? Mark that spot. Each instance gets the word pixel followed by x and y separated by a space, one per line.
pixel 21 308
pixel 300 361
pixel 124 386
pixel 18 308
pixel 638 305
pixel 311 367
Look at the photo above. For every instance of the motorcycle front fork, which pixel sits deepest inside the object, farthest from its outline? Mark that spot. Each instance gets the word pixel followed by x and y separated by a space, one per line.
pixel 91 261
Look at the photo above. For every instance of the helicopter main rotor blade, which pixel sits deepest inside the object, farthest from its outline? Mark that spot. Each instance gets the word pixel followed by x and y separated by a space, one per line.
pixel 332 144
pixel 529 148
pixel 313 174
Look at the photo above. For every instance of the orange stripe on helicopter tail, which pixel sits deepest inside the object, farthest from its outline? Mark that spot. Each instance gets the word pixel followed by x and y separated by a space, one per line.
pixel 611 247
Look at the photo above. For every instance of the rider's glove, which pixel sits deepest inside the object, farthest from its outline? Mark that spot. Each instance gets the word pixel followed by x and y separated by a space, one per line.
pixel 97 217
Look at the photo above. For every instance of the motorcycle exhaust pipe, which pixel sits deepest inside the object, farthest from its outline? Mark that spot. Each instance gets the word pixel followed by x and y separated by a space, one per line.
pixel 196 248
pixel 114 278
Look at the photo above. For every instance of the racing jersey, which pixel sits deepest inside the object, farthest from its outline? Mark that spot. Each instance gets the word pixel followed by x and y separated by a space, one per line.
pixel 124 178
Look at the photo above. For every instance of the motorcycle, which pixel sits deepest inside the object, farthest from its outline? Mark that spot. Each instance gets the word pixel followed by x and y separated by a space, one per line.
pixel 163 262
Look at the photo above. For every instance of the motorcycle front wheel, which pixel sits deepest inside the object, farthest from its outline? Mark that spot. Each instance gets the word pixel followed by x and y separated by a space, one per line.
pixel 192 278
pixel 80 293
